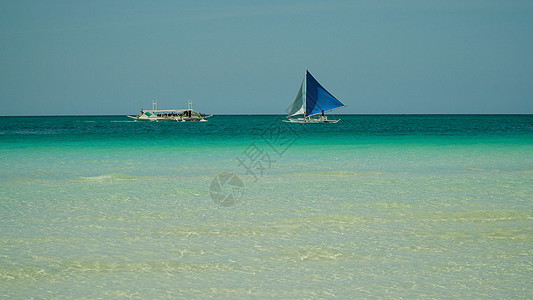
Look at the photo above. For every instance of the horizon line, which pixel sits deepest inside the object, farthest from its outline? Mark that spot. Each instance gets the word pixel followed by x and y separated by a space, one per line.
pixel 362 114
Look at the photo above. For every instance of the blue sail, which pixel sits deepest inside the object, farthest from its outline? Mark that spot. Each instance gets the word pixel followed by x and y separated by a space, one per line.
pixel 318 99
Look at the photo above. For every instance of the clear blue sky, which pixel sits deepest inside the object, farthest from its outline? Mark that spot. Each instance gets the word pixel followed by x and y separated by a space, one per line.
pixel 246 57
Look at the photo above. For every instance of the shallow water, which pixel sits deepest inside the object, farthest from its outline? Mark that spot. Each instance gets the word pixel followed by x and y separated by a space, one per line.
pixel 374 206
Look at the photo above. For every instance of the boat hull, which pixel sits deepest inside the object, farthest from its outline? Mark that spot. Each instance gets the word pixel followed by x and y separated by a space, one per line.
pixel 311 121
pixel 169 119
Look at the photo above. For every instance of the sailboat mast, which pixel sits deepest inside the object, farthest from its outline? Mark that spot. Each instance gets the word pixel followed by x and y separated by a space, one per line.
pixel 305 93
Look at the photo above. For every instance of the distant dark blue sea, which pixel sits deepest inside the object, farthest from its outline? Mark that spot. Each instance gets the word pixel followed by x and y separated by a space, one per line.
pixel 399 206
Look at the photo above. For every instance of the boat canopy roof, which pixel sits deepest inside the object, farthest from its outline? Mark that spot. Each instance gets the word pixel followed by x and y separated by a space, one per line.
pixel 164 110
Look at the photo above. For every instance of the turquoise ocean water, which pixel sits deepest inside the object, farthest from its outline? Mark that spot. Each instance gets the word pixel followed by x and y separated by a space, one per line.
pixel 251 207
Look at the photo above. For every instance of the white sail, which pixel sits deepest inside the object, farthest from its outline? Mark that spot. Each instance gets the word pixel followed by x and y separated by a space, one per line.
pixel 297 107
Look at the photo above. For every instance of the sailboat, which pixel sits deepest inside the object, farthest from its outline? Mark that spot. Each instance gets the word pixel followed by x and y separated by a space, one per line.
pixel 312 100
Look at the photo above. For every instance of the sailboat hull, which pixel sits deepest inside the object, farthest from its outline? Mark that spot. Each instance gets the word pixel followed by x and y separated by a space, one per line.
pixel 311 120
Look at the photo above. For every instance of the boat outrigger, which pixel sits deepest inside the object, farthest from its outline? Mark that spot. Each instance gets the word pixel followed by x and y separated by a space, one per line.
pixel 176 115
pixel 312 100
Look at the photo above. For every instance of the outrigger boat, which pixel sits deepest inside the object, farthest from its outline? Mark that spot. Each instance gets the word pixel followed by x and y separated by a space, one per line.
pixel 176 115
pixel 312 100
